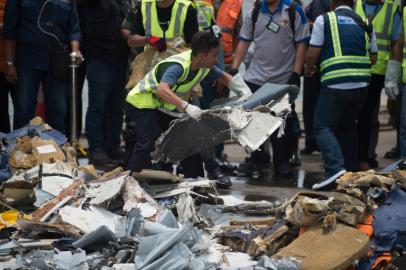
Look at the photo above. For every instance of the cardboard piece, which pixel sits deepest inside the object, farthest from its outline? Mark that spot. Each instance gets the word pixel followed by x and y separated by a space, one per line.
pixel 46 151
pixel 336 250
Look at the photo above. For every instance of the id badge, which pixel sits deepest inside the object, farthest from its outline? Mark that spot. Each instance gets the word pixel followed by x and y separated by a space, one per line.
pixel 273 26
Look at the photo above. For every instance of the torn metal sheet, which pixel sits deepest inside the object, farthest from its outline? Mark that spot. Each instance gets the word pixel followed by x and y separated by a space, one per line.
pixel 41 197
pixel 56 177
pixel 152 247
pixel 89 220
pixel 134 196
pixel 249 123
pixel 179 257
pixel 162 191
pixel 96 240
pixel 104 191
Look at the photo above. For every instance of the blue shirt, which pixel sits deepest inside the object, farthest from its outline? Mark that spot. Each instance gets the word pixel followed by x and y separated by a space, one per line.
pixel 33 45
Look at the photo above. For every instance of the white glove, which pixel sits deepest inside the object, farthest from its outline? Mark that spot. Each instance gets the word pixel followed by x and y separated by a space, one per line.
pixel 392 79
pixel 193 111
pixel 239 87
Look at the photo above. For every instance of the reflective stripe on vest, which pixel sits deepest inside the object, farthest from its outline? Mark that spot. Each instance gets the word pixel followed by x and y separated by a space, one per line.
pixel 382 24
pixel 151 22
pixel 205 13
pixel 354 62
pixel 142 96
pixel 227 15
pixel 404 46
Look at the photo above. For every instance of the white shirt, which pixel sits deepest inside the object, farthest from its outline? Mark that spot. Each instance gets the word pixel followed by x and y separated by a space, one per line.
pixel 317 40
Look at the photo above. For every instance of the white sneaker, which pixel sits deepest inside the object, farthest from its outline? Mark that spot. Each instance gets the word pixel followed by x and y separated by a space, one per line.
pixel 328 181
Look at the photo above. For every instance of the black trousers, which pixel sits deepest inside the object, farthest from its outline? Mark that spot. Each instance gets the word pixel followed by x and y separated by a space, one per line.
pixel 6 88
pixel 311 92
pixel 365 120
pixel 149 124
pixel 282 148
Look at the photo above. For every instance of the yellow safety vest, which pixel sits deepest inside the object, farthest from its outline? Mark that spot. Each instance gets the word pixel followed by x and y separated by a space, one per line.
pixel 151 22
pixel 205 13
pixel 142 96
pixel 340 68
pixel 382 24
pixel 404 46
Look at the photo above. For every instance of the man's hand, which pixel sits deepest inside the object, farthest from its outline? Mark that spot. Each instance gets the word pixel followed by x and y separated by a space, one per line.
pixel 392 79
pixel 10 73
pixel 310 71
pixel 158 43
pixel 294 79
pixel 193 111
pixel 239 87
pixel 78 57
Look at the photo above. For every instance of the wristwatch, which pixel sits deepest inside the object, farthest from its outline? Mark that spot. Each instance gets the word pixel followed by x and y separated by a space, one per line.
pixel 10 63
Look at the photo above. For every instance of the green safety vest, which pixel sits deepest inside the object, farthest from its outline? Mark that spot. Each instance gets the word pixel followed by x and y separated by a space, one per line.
pixel 404 46
pixel 205 13
pixel 151 22
pixel 382 24
pixel 343 67
pixel 142 96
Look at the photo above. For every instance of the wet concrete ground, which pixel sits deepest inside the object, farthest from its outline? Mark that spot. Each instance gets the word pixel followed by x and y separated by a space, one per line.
pixel 268 187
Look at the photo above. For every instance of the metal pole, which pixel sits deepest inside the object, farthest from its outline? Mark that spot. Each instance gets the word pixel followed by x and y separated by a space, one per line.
pixel 73 93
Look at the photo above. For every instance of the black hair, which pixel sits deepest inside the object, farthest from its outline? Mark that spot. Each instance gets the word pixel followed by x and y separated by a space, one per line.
pixel 204 42
pixel 349 3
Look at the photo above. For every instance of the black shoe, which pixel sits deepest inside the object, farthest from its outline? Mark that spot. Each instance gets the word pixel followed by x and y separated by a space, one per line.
pixel 295 161
pixel 249 168
pixel 246 168
pixel 283 170
pixel 225 165
pixel 308 150
pixel 99 156
pixel 222 181
pixel 372 163
pixel 402 164
pixel 116 154
pixel 393 153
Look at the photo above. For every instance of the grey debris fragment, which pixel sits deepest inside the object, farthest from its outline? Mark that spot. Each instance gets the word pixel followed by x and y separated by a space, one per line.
pixel 152 247
pixel 41 197
pixel 267 263
pixel 96 239
pixel 186 208
pixel 177 258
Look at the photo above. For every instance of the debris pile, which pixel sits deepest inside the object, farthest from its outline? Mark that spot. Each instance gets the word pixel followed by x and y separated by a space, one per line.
pixel 56 214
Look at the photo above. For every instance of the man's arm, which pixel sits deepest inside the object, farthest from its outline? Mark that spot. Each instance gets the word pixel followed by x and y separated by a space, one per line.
pixel 300 57
pixel 240 53
pixel 312 58
pixel 397 50
pixel 11 18
pixel 166 94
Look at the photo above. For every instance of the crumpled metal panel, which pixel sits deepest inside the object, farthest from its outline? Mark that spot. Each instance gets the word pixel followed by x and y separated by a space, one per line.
pixel 250 123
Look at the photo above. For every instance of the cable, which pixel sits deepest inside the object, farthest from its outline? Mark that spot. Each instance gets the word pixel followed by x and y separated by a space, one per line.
pixel 41 29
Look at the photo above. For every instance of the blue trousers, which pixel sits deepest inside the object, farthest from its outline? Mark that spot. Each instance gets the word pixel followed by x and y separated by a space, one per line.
pixel 335 127
pixel 104 117
pixel 28 84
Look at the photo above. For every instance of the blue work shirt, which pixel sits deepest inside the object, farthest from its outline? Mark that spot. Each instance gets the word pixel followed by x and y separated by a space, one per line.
pixel 33 45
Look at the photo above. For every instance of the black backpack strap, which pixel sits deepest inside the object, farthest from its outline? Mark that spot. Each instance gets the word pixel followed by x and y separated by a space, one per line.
pixel 255 14
pixel 292 15
pixel 367 27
